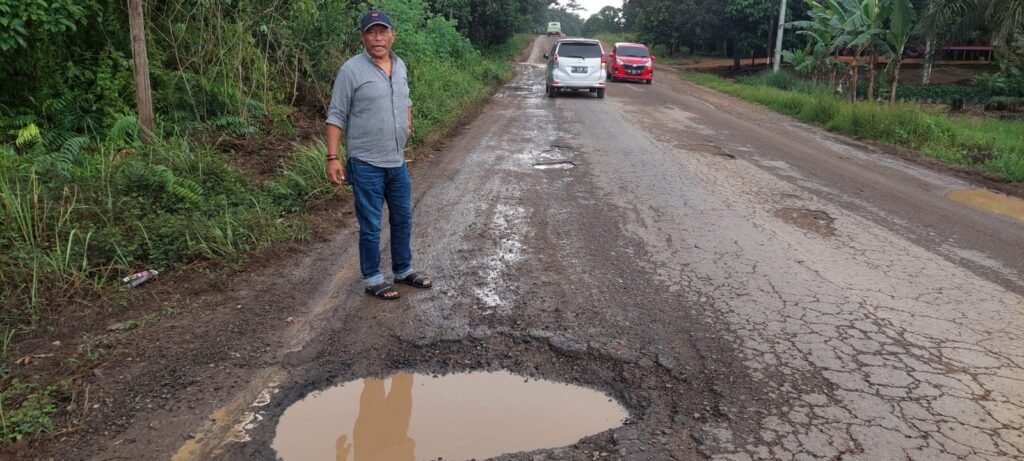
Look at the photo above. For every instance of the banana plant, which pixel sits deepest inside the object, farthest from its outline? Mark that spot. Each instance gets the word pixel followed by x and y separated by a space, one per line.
pixel 820 31
pixel 857 25
pixel 901 27
pixel 863 31
pixel 802 62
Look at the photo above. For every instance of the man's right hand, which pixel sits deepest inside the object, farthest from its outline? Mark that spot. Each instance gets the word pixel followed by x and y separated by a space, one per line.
pixel 335 172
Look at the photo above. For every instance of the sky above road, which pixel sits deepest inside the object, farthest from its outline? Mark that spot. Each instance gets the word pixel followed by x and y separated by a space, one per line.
pixel 593 6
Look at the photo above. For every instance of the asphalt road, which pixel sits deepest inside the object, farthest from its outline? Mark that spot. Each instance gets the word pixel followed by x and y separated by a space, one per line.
pixel 747 286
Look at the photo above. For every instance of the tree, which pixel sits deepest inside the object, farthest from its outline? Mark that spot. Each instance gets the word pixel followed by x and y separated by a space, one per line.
pixel 705 25
pixel 607 20
pixel 490 23
pixel 748 24
pixel 675 24
pixel 143 94
pixel 572 23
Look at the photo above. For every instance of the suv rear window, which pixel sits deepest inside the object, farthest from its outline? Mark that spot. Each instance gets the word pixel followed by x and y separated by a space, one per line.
pixel 633 51
pixel 579 50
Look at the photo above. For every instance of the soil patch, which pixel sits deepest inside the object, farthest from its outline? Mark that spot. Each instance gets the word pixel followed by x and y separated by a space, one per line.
pixel 265 156
pixel 815 221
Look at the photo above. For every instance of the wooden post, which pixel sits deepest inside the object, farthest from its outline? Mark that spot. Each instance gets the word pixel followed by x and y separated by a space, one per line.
pixel 143 94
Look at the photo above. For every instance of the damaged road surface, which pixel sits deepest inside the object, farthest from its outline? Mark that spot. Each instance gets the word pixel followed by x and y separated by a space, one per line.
pixel 744 286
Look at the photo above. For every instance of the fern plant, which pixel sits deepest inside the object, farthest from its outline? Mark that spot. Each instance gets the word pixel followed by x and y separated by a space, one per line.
pixel 137 175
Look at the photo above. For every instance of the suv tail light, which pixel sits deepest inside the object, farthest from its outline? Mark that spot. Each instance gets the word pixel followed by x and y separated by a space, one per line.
pixel 604 62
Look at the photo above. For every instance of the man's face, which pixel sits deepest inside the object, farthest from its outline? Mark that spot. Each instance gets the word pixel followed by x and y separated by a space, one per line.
pixel 378 39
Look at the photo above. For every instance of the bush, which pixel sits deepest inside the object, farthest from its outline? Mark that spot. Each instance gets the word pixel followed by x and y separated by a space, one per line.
pixel 88 212
pixel 1005 103
pixel 983 89
pixel 660 50
pixel 84 202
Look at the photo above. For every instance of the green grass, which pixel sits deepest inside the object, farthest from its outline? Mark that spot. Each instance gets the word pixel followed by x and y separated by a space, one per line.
pixel 26 410
pixel 986 145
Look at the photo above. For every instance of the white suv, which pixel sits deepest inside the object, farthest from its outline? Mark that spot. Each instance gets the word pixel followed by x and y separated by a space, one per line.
pixel 575 64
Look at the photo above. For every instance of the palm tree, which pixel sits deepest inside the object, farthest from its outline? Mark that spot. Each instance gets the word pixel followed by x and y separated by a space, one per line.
pixel 943 19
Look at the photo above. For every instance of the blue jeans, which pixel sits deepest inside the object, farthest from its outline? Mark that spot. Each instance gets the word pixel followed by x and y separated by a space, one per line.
pixel 373 186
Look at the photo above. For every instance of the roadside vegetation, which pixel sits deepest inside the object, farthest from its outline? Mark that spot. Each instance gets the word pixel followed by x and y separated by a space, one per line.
pixel 996 146
pixel 84 201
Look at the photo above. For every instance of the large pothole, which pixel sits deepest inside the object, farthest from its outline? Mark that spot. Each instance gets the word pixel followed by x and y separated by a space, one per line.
pixel 454 417
pixel 816 221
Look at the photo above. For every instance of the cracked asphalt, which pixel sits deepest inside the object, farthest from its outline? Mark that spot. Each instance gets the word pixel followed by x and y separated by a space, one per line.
pixel 748 287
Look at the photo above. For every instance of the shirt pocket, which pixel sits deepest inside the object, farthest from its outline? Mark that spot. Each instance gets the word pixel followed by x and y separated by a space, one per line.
pixel 373 94
pixel 402 93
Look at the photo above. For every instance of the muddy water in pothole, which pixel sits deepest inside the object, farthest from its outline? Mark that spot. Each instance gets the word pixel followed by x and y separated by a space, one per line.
pixel 990 201
pixel 455 417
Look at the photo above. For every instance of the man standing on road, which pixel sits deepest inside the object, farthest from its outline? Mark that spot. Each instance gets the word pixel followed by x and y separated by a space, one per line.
pixel 370 104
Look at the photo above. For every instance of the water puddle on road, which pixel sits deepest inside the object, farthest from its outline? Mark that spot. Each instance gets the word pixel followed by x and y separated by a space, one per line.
pixel 554 165
pixel 987 200
pixel 456 417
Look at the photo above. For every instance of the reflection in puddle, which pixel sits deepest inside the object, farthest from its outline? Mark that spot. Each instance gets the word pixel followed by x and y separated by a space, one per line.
pixel 455 417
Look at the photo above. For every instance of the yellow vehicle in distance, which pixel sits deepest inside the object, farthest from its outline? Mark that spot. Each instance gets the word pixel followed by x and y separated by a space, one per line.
pixel 554 28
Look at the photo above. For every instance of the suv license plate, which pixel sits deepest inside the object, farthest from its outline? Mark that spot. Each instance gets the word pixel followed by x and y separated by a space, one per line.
pixel 579 70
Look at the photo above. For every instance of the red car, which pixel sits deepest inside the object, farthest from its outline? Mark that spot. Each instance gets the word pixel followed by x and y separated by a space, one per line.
pixel 630 61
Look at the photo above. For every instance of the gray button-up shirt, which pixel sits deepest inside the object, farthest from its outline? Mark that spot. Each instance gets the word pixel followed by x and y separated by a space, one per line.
pixel 372 109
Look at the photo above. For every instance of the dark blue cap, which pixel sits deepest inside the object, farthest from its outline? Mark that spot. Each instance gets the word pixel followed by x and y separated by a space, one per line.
pixel 374 17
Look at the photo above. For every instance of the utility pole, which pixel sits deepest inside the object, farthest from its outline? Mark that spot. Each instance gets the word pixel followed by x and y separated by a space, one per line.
pixel 778 36
pixel 143 93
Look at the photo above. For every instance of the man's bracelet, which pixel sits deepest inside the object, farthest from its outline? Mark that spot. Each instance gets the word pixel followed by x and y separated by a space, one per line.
pixel 331 158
